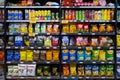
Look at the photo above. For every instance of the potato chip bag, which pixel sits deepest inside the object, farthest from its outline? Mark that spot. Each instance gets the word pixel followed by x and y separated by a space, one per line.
pixel 55 71
pixel 22 69
pixel 47 41
pixel 118 55
pixel 88 70
pixel 15 71
pixel 72 28
pixel 49 55
pixel 31 69
pixel 43 28
pixel 102 70
pixel 23 55
pixel 56 28
pixel 42 55
pixel 80 55
pixel 49 28
pixel 65 41
pixel 65 55
pixel 110 55
pixel 73 69
pixel 56 55
pixel 95 55
pixel 39 71
pixel 10 71
pixel 118 70
pixel 87 55
pixel 72 55
pixel 72 41
pixel 65 70
pixel 102 55
pixel 65 28
pixel 109 71
pixel 29 55
pixel 95 70
pixel 79 41
pixel 81 70
pixel 46 70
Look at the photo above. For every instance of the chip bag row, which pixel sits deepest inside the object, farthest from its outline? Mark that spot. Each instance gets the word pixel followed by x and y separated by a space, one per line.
pixel 87 70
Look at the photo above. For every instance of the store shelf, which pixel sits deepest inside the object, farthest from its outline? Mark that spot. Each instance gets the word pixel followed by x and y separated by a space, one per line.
pixel 75 47
pixel 36 77
pixel 32 62
pixel 95 7
pixel 112 33
pixel 32 47
pixel 29 7
pixel 37 34
pixel 36 21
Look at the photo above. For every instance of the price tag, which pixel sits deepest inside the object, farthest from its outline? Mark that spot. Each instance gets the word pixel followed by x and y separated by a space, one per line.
pixel 48 33
pixel 73 77
pixel 16 47
pixel 64 21
pixel 64 47
pixel 63 33
pixel 93 33
pixel 39 47
pixel 48 77
pixel 22 77
pixel 102 62
pixel 33 21
pixel 38 77
pixel 65 77
pixel 81 62
pixel 79 33
pixel 103 77
pixel 47 47
pixel 22 33
pixel 8 47
pixel 54 47
pixel 48 62
pixel 21 62
pixel 22 47
pixel 8 62
pixel 94 62
pixel 89 48
pixel 79 47
pixel 32 34
pixel 34 62
pixel 87 77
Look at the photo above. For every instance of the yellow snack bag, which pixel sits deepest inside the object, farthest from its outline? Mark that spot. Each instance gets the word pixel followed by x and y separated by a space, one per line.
pixel 29 55
pixel 56 55
pixel 102 55
pixel 30 28
pixel 49 55
pixel 23 55
pixel 118 40
pixel 72 28
pixel 65 28
pixel 23 28
pixel 73 69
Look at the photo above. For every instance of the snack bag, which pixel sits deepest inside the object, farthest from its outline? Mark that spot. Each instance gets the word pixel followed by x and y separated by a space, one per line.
pixel 102 28
pixel 32 41
pixel 80 28
pixel 43 28
pixel 18 41
pixel 22 69
pixel 9 55
pixel 72 54
pixel 55 28
pixel 10 71
pixel 86 28
pixel 94 42
pixel 29 55
pixel 39 41
pixel 55 71
pixel 65 70
pixel 49 55
pixel 65 28
pixel 109 28
pixel 118 40
pixel 102 70
pixel 79 41
pixel 110 70
pixel 85 41
pixel 88 70
pixel 55 41
pixel 72 28
pixel 81 70
pixel 30 28
pixel 42 55
pixel 49 28
pixel 47 41
pixel 102 55
pixel 72 41
pixel 16 56
pixel 65 55
pixel 118 56
pixel 40 71
pixel 23 55
pixel 65 41
pixel 11 27
pixel 87 55
pixel 46 70
pixel 94 28
pixel 95 55
pixel 110 55
pixel 80 55
pixel 95 70
pixel 2 55
pixel 37 28
pixel 26 41
pixel 36 55
pixel 73 69
pixel 15 71
pixel 118 70
pixel 31 69
pixel 56 55
pixel 10 41
pixel 17 28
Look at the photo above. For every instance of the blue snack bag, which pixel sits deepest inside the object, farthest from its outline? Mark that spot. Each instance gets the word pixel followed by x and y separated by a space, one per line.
pixel 87 55
pixel 118 56
pixel 9 55
pixel 65 55
pixel 18 41
pixel 95 71
pixel 88 70
pixel 16 56
pixel 80 55
pixel 65 41
pixel 72 54
pixel 118 70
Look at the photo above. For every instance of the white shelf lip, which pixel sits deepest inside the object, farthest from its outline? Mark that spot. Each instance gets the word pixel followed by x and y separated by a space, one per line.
pixel 87 6
pixel 118 6
pixel 91 20
pixel 29 21
pixel 1 6
pixel 32 7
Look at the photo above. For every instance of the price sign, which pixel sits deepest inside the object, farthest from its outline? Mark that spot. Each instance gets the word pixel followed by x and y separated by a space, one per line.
pixel 64 21
pixel 89 48
pixel 32 34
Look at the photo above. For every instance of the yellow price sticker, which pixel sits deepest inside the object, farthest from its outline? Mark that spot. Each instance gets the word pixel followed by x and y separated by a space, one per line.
pixel 32 21
pixel 32 34
pixel 64 21
pixel 89 48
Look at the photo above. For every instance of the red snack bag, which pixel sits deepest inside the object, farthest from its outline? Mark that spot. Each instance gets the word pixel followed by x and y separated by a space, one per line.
pixel 79 28
pixel 55 41
pixel 86 28
pixel 65 70
pixel 1 55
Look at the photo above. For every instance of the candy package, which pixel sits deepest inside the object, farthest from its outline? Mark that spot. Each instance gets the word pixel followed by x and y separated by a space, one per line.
pixel 22 69
pixel 102 70
pixel 88 70
pixel 118 70
pixel 65 55
pixel 73 69
pixel 29 55
pixel 56 55
pixel 31 69
pixel 80 55
pixel 72 55
pixel 87 55
pixel 47 41
pixel 102 55
pixel 42 55
pixel 95 55
pixel 65 70
pixel 10 70
pixel 40 71
pixel 72 41
pixel 118 56
pixel 54 70
pixel 23 55
pixel 110 55
pixel 95 70
pixel 49 55
pixel 46 70
pixel 109 71
pixel 55 41
pixel 65 41
pixel 36 55
pixel 81 70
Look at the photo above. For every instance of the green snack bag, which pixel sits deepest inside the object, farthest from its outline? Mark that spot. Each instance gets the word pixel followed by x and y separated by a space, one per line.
pixel 40 71
pixel 46 71
pixel 109 55
pixel 95 55
pixel 109 70
pixel 79 13
pixel 102 70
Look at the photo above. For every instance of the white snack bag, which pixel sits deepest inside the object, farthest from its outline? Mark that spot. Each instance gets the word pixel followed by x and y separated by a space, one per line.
pixel 15 70
pixel 31 69
pixel 22 69
pixel 10 70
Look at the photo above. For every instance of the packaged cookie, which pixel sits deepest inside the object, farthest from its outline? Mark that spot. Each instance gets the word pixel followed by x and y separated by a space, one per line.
pixel 56 55
pixel 73 69
pixel 66 70
pixel 49 55
pixel 42 55
pixel 36 55
pixel 65 55
pixel 81 70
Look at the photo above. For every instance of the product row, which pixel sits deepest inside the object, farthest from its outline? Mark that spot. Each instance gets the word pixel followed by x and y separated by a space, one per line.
pixel 32 15
pixel 102 41
pixel 37 28
pixel 87 3
pixel 104 14
pixel 86 28
pixel 33 41
pixel 33 55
